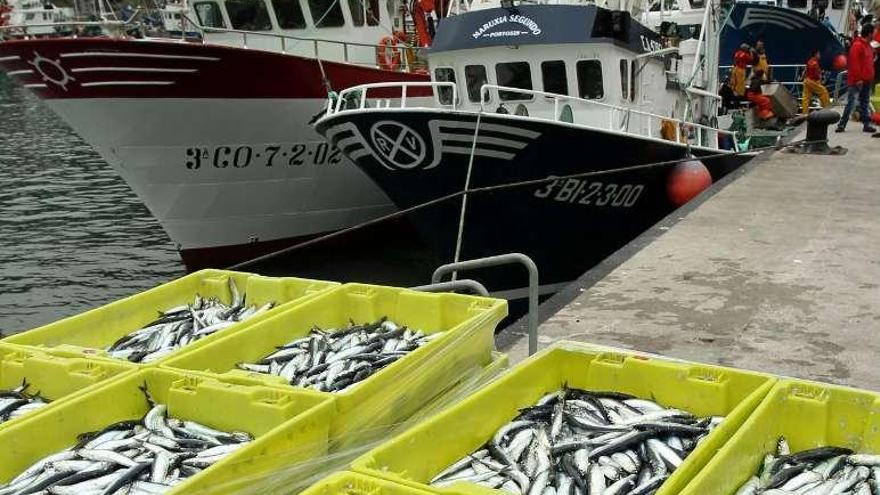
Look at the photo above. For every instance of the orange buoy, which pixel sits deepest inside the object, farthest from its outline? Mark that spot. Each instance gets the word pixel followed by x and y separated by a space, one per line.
pixel 686 181
pixel 839 62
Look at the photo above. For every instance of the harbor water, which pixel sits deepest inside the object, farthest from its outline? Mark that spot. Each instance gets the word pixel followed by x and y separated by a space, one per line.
pixel 73 235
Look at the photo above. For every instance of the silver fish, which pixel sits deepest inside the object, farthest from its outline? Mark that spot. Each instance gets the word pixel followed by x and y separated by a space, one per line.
pixel 178 326
pixel 819 471
pixel 334 360
pixel 586 443
pixel 17 402
pixel 148 456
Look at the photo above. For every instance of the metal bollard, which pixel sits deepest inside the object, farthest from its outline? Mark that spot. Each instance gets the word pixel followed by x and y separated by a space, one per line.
pixel 816 142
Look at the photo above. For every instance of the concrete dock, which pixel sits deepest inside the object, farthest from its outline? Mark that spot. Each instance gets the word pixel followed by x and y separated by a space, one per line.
pixel 776 270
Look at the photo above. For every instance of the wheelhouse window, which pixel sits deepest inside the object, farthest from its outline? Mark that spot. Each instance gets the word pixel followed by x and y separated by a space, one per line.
pixel 372 12
pixel 364 11
pixel 589 75
pixel 554 77
pixel 358 12
pixel 327 13
pixel 444 93
pixel 666 5
pixel 209 14
pixel 475 77
pixel 248 15
pixel 624 79
pixel 797 4
pixel 514 75
pixel 289 14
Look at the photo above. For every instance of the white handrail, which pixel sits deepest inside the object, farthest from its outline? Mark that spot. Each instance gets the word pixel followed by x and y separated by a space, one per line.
pixel 364 88
pixel 778 66
pixel 283 38
pixel 555 96
pixel 360 91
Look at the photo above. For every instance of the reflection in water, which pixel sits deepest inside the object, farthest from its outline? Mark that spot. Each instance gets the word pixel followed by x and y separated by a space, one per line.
pixel 73 236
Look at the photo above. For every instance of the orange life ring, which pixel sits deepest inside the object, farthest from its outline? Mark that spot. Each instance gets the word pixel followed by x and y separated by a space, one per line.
pixel 387 54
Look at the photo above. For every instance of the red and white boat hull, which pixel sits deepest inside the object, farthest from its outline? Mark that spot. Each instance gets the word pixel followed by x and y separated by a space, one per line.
pixel 215 140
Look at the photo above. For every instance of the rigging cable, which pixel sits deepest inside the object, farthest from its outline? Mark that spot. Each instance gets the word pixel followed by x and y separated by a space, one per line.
pixel 497 187
pixel 464 198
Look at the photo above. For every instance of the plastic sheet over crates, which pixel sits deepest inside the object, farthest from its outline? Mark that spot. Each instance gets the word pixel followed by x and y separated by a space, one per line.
pixel 292 472
pixel 289 427
pixel 348 483
pixel 464 326
pixel 807 415
pixel 89 334
pixel 415 457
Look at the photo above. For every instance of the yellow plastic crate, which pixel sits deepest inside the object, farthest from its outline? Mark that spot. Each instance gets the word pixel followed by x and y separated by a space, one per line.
pixel 808 415
pixel 347 483
pixel 54 377
pixel 289 426
pixel 88 334
pixel 395 392
pixel 417 456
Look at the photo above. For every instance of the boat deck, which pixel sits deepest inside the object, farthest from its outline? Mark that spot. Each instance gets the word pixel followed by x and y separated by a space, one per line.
pixel 777 270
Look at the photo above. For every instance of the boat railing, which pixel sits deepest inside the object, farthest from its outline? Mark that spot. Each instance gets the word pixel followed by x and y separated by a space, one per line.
pixel 681 126
pixel 357 97
pixel 840 85
pixel 110 25
pixel 794 73
pixel 286 42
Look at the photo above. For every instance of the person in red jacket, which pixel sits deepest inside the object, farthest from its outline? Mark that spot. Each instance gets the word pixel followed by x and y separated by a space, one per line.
pixel 875 44
pixel 860 77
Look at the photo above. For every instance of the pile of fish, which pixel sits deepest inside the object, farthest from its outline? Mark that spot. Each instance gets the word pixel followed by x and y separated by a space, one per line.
pixel 17 402
pixel 337 359
pixel 130 457
pixel 820 471
pixel 178 326
pixel 586 443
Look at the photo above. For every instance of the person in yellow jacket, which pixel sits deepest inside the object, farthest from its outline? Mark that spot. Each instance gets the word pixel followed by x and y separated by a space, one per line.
pixel 813 84
pixel 741 60
pixel 760 62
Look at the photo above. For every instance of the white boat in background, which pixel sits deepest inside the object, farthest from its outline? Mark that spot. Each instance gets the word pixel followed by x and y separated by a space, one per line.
pixel 215 136
pixel 36 18
pixel 174 20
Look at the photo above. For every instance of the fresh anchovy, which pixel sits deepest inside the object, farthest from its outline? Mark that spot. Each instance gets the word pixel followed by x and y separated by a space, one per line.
pixel 148 456
pixel 336 359
pixel 578 442
pixel 18 402
pixel 819 471
pixel 178 326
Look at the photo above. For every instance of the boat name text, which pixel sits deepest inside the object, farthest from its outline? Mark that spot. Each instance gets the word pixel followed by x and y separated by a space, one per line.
pixel 585 192
pixel 270 155
pixel 650 45
pixel 526 21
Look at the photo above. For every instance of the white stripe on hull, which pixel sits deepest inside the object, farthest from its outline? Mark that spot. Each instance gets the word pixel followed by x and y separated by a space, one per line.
pixel 132 69
pixel 137 55
pixel 146 142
